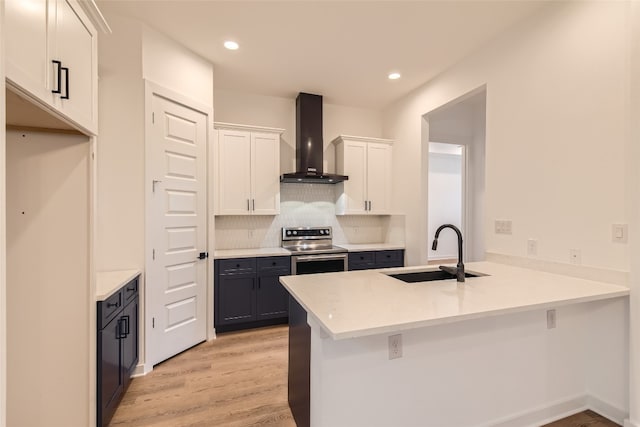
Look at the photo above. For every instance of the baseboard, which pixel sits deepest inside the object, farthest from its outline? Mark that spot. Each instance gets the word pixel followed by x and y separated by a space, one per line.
pixel 606 409
pixel 562 409
pixel 139 371
pixel 629 423
pixel 581 271
pixel 543 414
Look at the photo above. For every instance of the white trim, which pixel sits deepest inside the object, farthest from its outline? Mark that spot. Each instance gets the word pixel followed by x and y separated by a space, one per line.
pixel 581 271
pixel 3 234
pixel 341 138
pixel 250 128
pixel 91 9
pixel 92 324
pixel 151 89
pixel 541 415
pixel 629 423
pixel 606 409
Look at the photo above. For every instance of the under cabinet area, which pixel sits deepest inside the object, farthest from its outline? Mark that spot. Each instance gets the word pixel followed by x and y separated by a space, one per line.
pixel 376 259
pixel 118 348
pixel 248 170
pixel 367 162
pixel 51 57
pixel 248 293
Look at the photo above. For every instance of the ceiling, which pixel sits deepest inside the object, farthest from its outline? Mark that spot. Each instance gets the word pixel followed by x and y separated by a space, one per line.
pixel 342 50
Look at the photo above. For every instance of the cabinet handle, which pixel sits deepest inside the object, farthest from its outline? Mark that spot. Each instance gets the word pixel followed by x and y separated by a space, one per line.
pixel 248 205
pixel 125 320
pixel 365 205
pixel 258 283
pixel 253 284
pixel 58 65
pixel 66 82
pixel 115 304
pixel 369 205
pixel 131 289
pixel 120 333
pixel 253 204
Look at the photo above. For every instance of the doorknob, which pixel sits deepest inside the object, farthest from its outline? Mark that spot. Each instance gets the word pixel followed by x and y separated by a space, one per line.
pixel 203 255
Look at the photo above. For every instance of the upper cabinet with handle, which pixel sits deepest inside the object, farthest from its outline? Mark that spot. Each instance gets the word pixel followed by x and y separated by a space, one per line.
pixel 367 162
pixel 248 170
pixel 52 57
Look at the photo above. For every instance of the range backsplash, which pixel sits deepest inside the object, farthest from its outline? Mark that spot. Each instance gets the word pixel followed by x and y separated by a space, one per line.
pixel 306 205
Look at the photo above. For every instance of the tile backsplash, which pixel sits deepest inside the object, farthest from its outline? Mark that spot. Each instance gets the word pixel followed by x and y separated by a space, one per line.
pixel 306 205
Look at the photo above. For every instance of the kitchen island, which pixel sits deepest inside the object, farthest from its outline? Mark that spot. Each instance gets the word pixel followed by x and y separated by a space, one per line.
pixel 486 352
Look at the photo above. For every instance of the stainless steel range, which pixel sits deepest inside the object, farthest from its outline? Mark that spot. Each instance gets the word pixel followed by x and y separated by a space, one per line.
pixel 312 250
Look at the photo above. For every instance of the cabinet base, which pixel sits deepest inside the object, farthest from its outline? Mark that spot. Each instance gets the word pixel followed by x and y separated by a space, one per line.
pixel 251 325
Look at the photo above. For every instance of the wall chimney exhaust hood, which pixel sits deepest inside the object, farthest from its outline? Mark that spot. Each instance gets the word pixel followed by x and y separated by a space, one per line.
pixel 309 144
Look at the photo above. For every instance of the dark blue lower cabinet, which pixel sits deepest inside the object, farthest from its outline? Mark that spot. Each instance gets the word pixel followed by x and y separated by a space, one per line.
pixel 366 260
pixel 248 293
pixel 117 348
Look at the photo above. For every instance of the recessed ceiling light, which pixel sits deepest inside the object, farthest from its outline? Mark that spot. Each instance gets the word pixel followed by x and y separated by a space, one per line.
pixel 394 76
pixel 231 45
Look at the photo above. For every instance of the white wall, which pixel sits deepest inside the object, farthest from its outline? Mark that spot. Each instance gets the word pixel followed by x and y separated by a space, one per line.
pixel 551 109
pixel 445 202
pixel 131 54
pixel 447 373
pixel 270 111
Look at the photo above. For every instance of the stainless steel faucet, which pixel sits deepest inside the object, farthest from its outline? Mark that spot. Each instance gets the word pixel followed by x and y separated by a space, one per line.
pixel 459 270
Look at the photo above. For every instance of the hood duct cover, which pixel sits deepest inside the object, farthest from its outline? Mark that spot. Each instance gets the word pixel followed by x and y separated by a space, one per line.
pixel 309 144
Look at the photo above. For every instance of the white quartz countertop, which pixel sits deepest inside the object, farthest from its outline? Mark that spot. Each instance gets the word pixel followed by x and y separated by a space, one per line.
pixel 368 302
pixel 249 253
pixel 359 247
pixel 108 282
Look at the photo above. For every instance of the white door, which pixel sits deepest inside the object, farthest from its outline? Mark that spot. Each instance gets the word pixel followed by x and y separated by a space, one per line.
pixel 379 177
pixel 176 278
pixel 234 159
pixel 265 173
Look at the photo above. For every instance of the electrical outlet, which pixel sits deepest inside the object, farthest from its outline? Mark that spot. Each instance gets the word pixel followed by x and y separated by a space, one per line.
pixel 502 226
pixel 532 247
pixel 395 346
pixel 551 319
pixel 575 257
pixel 619 233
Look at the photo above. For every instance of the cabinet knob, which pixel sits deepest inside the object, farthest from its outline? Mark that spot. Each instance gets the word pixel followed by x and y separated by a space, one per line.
pixel 237 265
pixel 273 263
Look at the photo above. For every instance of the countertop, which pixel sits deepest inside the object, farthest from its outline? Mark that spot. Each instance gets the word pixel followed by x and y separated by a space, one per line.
pixel 249 253
pixel 108 282
pixel 278 251
pixel 368 302
pixel 359 247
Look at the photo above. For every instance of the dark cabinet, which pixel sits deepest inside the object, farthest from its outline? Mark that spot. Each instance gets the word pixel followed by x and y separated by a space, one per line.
pixel 376 259
pixel 248 292
pixel 117 348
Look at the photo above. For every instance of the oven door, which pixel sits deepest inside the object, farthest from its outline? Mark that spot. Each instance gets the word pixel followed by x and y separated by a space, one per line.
pixel 321 263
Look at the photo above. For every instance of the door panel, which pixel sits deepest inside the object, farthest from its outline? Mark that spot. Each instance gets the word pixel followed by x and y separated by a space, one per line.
pixel 234 185
pixel 378 177
pixel 265 167
pixel 237 299
pixel 177 279
pixel 355 166
pixel 273 298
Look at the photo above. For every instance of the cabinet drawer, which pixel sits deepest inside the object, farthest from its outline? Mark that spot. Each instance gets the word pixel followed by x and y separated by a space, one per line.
pixel 237 266
pixel 130 291
pixel 109 308
pixel 274 265
pixel 361 260
pixel 391 258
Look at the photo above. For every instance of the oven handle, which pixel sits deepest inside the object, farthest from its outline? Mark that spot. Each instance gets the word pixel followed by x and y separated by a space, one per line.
pixel 319 257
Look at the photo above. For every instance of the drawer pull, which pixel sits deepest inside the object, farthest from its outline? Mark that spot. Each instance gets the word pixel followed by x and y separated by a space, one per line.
pixel 115 304
pixel 131 289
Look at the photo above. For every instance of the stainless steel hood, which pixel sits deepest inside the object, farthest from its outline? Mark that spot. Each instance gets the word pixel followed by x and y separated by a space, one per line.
pixel 309 144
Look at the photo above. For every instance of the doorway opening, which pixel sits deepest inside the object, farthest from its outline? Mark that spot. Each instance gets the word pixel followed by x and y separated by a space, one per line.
pixel 455 138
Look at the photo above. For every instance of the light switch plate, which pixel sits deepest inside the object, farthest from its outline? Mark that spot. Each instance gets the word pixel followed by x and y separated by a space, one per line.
pixel 503 226
pixel 532 247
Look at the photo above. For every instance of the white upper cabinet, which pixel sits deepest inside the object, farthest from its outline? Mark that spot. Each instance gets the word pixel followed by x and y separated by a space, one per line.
pixel 248 170
pixel 52 58
pixel 367 163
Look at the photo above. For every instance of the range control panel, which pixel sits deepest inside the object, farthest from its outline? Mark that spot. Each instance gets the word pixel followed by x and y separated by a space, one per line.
pixel 306 233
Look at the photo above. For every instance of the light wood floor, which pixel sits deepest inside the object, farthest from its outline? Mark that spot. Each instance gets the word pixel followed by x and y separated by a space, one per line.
pixel 239 379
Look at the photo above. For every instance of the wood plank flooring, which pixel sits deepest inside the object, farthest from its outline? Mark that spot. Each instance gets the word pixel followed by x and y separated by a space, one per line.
pixel 237 380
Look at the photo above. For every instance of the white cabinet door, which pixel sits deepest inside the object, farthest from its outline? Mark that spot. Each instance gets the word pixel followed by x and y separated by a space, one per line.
pixel 234 166
pixel 265 176
pixel 76 47
pixel 379 178
pixel 355 166
pixel 27 57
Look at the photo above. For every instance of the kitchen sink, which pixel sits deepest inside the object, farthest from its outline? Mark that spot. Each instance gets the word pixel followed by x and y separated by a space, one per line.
pixel 429 276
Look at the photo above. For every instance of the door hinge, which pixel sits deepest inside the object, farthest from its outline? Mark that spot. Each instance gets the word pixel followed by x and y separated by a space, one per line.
pixel 153 118
pixel 154 254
